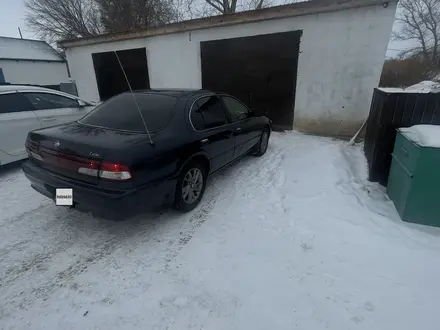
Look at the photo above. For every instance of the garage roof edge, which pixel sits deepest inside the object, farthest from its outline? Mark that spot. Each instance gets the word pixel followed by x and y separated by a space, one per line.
pixel 277 12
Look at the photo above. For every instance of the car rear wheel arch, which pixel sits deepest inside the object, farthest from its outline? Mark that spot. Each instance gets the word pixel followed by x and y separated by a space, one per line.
pixel 198 158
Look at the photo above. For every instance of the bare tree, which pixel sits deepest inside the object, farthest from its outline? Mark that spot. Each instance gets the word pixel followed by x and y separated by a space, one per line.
pixel 420 22
pixel 54 20
pixel 184 10
pixel 232 6
pixel 63 19
pixel 125 15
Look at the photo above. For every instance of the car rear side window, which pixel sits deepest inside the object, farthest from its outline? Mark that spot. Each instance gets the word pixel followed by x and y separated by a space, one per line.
pixel 121 112
pixel 207 112
pixel 44 101
pixel 235 108
pixel 14 103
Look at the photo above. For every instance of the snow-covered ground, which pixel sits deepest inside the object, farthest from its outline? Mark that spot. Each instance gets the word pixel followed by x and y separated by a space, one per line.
pixel 297 239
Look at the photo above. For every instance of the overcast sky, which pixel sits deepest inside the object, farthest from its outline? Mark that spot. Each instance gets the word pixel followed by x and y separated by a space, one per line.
pixel 12 13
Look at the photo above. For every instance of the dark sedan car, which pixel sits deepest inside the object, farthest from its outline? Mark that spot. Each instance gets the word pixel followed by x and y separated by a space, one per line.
pixel 144 149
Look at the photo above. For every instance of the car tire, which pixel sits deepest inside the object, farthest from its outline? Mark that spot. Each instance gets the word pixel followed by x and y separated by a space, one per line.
pixel 261 146
pixel 190 187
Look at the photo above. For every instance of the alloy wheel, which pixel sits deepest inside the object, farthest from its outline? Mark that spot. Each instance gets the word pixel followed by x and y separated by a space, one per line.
pixel 192 185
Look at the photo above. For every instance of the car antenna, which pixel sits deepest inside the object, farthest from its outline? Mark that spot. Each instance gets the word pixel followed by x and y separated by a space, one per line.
pixel 134 97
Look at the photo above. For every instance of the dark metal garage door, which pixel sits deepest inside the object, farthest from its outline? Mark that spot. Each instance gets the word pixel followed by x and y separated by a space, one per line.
pixel 260 70
pixel 110 77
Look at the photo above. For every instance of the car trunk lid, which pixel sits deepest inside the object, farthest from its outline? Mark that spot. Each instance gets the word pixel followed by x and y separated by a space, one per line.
pixel 78 151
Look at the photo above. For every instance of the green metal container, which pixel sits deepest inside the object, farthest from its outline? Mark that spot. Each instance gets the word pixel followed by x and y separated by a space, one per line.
pixel 414 181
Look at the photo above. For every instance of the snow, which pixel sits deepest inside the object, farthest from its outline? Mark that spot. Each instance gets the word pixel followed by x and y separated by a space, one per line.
pixel 393 90
pixel 423 87
pixel 295 239
pixel 423 135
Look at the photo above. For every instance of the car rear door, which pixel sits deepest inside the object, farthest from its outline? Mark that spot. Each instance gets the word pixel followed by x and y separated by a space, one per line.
pixel 211 128
pixel 245 128
pixel 17 119
pixel 54 109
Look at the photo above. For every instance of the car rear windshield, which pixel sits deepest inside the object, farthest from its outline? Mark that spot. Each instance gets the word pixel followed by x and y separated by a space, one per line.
pixel 121 112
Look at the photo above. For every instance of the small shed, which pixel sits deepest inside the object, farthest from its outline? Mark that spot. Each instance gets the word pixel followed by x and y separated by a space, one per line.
pixel 35 62
pixel 311 65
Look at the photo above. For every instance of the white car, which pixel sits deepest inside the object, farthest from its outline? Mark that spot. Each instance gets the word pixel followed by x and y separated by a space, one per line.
pixel 25 108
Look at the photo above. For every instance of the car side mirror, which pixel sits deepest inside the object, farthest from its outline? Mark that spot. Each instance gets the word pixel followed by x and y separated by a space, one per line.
pixel 82 104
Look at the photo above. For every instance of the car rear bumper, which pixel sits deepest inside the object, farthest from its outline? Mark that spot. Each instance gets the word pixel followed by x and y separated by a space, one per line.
pixel 109 204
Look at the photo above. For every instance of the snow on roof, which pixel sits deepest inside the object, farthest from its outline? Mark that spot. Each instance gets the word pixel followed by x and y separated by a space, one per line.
pixel 426 86
pixel 26 49
pixel 423 135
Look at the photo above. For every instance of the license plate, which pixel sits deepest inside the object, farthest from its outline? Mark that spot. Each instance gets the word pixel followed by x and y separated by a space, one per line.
pixel 64 196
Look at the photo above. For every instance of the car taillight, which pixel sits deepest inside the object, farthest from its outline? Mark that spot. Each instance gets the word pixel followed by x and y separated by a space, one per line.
pixel 107 170
pixel 111 171
pixel 31 149
pixel 92 169
pixel 34 155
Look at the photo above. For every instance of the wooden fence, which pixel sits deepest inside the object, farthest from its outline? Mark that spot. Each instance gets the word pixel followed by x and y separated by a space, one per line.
pixel 389 111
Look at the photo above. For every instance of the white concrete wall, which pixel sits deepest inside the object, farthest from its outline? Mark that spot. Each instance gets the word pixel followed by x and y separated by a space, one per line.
pixel 36 73
pixel 342 55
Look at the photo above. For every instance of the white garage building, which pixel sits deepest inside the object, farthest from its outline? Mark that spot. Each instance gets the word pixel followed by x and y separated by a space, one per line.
pixel 34 62
pixel 311 65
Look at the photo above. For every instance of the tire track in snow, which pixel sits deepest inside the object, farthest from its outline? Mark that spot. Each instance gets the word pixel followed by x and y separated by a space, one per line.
pixel 267 176
pixel 23 300
pixel 24 215
pixel 37 268
pixel 218 185
pixel 196 221
pixel 37 265
pixel 81 249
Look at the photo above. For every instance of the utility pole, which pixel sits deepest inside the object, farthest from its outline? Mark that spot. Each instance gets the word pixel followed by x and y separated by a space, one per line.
pixel 19 31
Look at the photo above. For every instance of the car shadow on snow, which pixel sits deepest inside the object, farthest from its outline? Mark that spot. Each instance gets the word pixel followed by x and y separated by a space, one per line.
pixel 10 169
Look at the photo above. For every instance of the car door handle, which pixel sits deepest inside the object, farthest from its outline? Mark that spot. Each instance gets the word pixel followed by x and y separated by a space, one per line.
pixel 204 141
pixel 238 129
pixel 49 119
